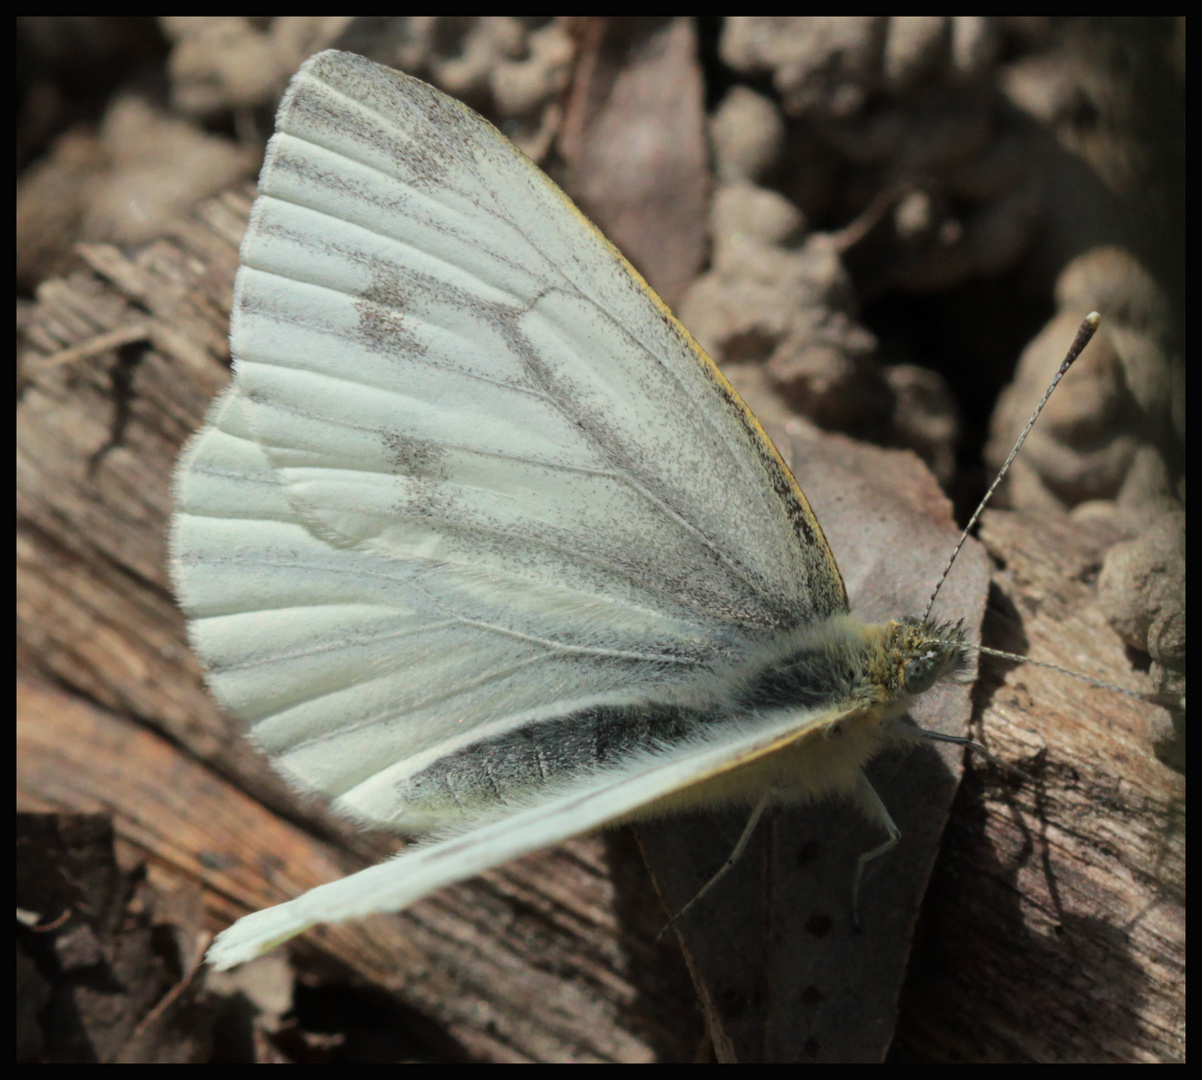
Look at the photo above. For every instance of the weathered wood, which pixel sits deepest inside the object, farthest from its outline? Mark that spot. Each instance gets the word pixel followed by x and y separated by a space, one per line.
pixel 1054 929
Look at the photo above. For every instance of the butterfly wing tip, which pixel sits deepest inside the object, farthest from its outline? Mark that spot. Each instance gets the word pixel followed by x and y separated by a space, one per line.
pixel 249 938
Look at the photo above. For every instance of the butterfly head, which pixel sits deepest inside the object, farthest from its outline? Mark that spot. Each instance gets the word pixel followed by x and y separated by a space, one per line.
pixel 918 653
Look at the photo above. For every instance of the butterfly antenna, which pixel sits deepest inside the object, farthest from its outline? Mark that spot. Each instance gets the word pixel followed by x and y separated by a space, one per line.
pixel 1088 328
pixel 1150 697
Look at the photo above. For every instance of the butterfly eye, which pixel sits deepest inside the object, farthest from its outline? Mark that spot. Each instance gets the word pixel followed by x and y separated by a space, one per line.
pixel 920 674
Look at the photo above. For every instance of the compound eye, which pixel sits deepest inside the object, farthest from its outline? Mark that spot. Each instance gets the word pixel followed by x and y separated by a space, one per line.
pixel 920 674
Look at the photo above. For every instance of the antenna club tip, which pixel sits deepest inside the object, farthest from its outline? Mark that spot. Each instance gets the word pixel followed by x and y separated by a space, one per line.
pixel 1085 333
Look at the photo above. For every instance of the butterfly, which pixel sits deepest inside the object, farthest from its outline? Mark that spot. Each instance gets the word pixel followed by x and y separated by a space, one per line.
pixel 479 543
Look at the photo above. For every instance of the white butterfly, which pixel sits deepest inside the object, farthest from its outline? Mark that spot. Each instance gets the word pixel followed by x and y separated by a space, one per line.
pixel 479 542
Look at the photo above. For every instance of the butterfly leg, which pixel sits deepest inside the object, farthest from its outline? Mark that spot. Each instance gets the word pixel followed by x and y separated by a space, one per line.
pixel 744 839
pixel 878 814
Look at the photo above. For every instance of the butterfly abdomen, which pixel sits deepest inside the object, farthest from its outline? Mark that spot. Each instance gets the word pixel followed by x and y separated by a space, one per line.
pixel 508 767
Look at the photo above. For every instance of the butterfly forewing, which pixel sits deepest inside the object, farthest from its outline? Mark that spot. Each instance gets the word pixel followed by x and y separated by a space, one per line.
pixel 471 474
